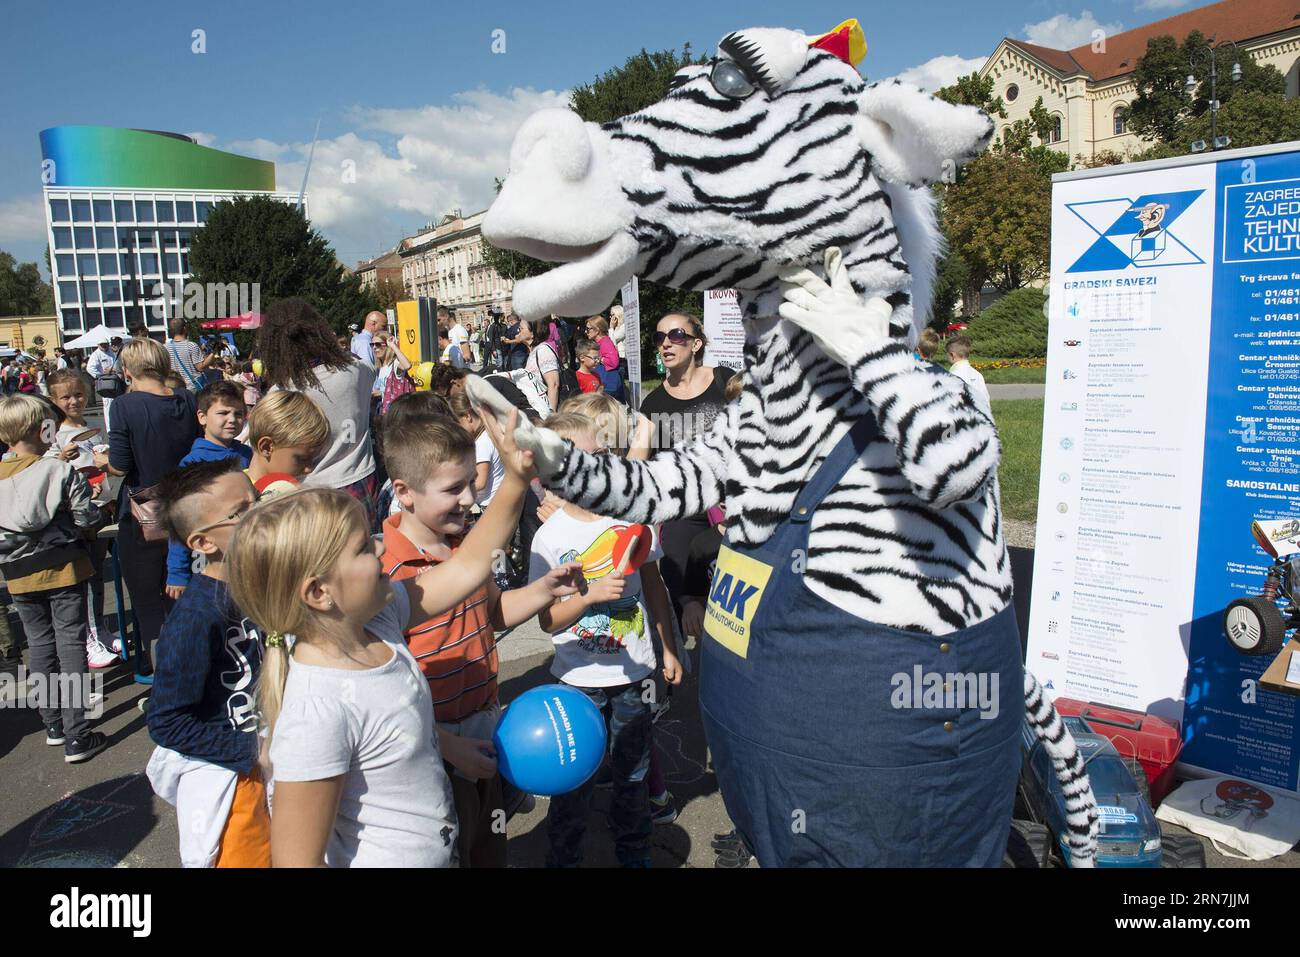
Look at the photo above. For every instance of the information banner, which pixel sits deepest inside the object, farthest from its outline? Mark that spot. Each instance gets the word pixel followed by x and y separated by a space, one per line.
pixel 725 329
pixel 1171 419
pixel 631 298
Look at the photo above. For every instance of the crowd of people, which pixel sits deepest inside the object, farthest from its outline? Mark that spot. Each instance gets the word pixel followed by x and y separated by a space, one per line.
pixel 312 556
pixel 307 537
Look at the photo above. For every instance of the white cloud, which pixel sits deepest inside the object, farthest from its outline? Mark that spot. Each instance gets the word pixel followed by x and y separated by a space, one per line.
pixel 1063 32
pixel 203 139
pixel 401 168
pixel 940 71
pixel 1162 4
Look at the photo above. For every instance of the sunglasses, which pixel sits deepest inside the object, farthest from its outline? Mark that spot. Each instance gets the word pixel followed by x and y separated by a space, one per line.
pixel 234 516
pixel 676 336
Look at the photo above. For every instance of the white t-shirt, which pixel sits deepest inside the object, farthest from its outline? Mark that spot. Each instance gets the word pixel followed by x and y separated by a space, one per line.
pixel 457 334
pixel 344 397
pixel 485 451
pixel 610 644
pixel 963 370
pixel 453 356
pixel 542 360
pixel 86 456
pixel 374 727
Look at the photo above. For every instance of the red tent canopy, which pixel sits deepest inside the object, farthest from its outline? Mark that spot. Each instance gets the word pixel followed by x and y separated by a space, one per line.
pixel 249 320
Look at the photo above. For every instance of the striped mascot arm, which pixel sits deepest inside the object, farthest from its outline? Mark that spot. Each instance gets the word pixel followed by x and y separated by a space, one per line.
pixel 670 485
pixel 948 447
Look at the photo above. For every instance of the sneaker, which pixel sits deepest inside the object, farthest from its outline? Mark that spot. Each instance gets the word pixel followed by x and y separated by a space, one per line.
pixel 85 747
pixel 54 734
pixel 733 858
pixel 97 656
pixel 663 810
pixel 110 639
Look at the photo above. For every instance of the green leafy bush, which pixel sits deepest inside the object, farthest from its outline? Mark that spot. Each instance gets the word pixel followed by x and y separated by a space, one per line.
pixel 1014 327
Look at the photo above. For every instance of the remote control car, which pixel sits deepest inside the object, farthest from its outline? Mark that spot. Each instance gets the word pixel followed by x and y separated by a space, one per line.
pixel 1130 834
pixel 1255 625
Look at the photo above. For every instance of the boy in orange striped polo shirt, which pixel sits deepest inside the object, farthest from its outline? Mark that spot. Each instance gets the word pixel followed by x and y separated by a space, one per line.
pixel 431 464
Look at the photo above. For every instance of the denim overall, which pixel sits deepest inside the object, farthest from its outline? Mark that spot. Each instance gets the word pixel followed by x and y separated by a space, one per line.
pixel 824 754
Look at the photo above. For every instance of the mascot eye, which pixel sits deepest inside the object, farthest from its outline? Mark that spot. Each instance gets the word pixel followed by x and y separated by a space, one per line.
pixel 730 80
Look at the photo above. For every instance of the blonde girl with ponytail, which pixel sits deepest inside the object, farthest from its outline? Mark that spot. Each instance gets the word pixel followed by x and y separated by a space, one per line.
pixel 347 716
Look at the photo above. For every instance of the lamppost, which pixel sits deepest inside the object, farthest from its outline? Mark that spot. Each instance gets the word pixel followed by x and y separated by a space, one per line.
pixel 1217 142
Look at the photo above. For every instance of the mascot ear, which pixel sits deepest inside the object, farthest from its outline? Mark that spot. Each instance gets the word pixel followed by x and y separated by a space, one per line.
pixel 915 138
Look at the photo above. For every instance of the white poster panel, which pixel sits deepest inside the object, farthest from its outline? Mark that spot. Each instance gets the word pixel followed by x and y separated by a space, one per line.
pixel 1123 436
pixel 725 329
pixel 631 298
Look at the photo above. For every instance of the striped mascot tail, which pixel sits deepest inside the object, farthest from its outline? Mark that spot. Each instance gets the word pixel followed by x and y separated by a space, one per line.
pixel 1081 816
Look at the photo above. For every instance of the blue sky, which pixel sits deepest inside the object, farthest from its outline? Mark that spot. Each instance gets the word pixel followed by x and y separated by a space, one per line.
pixel 411 95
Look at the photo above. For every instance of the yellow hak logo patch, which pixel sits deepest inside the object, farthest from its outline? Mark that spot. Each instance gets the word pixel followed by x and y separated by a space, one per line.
pixel 737 592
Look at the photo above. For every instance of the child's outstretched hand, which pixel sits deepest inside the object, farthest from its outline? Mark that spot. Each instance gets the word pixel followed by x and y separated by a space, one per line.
pixel 517 461
pixel 563 579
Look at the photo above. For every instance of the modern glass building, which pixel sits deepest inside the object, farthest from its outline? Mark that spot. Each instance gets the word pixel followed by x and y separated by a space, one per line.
pixel 121 207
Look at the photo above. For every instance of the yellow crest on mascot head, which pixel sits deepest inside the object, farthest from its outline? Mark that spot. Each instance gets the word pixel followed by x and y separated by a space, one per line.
pixel 846 41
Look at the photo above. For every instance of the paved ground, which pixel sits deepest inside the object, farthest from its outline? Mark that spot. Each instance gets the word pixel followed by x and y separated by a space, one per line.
pixel 1017 390
pixel 104 814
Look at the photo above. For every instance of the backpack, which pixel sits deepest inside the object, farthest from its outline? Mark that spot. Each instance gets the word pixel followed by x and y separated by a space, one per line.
pixel 569 384
pixel 533 390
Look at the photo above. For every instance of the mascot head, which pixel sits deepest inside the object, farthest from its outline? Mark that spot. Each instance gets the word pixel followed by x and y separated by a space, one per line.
pixel 758 160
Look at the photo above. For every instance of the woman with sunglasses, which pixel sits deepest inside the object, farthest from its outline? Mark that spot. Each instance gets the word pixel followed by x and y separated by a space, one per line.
pixel 691 397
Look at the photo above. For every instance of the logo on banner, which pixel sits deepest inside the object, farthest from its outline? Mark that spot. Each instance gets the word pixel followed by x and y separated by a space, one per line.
pixel 1135 232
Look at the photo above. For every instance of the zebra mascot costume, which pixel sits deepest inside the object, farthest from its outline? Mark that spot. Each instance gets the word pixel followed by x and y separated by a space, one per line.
pixel 865 572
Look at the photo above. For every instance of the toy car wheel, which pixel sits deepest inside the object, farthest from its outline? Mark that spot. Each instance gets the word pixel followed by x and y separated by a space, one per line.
pixel 1254 626
pixel 1181 850
pixel 1028 846
pixel 1139 778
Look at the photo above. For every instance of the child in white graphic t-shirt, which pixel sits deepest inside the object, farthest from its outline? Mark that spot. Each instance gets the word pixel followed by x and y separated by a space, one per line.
pixel 603 647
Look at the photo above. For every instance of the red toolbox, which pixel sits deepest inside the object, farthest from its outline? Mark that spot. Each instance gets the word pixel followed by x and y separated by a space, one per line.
pixel 1155 742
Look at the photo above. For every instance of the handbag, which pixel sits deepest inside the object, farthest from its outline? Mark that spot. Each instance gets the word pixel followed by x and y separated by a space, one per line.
pixel 396 385
pixel 147 512
pixel 109 385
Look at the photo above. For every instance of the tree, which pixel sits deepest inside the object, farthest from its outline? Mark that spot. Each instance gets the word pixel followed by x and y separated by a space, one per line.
pixel 951 286
pixel 1251 118
pixel 262 241
pixel 971 90
pixel 999 219
pixel 389 291
pixel 22 290
pixel 1163 105
pixel 642 80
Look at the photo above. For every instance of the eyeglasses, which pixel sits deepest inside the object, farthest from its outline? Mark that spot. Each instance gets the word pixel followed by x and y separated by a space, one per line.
pixel 676 336
pixel 234 516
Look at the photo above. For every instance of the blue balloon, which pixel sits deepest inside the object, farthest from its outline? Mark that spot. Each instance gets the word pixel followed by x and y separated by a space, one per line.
pixel 550 740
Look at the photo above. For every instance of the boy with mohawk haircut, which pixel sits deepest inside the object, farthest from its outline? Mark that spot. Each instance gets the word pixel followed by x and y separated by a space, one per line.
pixel 202 712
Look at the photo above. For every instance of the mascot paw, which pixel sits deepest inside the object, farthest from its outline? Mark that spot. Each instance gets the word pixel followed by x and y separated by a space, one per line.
pixel 548 448
pixel 830 310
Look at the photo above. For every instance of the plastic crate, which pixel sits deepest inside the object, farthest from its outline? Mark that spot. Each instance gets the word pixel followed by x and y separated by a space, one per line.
pixel 1154 742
